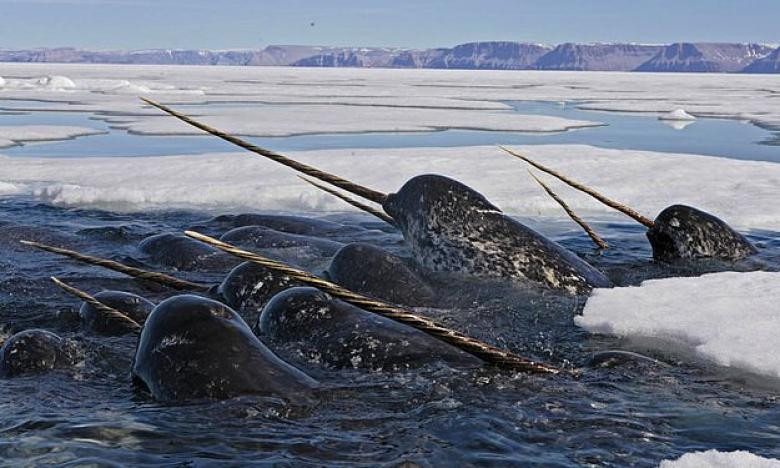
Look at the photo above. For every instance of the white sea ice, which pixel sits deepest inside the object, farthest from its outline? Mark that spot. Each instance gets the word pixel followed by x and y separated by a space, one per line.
pixel 677 115
pixel 729 318
pixel 11 135
pixel 130 88
pixel 744 193
pixel 747 97
pixel 2 82
pixel 56 83
pixel 9 189
pixel 717 459
pixel 283 120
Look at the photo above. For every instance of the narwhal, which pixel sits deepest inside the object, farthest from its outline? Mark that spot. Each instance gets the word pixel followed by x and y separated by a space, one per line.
pixel 451 227
pixel 678 233
pixel 189 347
pixel 390 324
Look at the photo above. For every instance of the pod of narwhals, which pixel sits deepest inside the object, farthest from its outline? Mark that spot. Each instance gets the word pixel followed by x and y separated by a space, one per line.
pixel 220 340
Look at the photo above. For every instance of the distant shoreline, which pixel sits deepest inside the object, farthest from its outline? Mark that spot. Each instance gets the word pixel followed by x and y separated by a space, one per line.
pixel 683 57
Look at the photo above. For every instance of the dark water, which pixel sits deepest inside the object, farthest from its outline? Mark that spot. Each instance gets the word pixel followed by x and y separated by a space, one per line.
pixel 713 137
pixel 633 414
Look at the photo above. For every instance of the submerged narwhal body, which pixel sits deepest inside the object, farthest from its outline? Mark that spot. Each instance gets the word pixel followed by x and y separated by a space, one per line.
pixel 36 350
pixel 193 347
pixel 678 233
pixel 451 227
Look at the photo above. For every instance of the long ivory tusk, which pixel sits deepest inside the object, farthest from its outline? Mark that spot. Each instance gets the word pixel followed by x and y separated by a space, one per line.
pixel 601 243
pixel 359 190
pixel 379 214
pixel 89 299
pixel 161 278
pixel 482 350
pixel 583 188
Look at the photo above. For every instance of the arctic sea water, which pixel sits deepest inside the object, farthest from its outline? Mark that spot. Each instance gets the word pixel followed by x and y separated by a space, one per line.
pixel 633 414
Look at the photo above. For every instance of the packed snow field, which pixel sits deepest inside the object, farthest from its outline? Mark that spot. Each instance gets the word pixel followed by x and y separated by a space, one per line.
pixel 709 387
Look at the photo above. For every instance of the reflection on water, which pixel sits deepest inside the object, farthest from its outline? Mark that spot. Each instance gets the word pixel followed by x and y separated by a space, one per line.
pixel 678 124
pixel 714 137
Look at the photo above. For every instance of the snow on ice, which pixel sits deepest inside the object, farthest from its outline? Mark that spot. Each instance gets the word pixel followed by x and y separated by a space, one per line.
pixel 728 318
pixel 717 459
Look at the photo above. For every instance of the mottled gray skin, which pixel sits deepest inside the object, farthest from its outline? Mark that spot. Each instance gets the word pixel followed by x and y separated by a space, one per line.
pixel 251 286
pixel 35 350
pixel 685 233
pixel 192 347
pixel 372 271
pixel 451 227
pixel 132 305
pixel 183 253
pixel 341 335
pixel 261 237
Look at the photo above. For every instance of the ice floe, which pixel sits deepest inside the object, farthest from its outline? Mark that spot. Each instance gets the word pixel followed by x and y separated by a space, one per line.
pixel 14 134
pixel 56 83
pixel 743 193
pixel 748 97
pixel 717 459
pixel 282 120
pixel 728 318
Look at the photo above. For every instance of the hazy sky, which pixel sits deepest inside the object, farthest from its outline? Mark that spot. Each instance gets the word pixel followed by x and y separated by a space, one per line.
pixel 134 24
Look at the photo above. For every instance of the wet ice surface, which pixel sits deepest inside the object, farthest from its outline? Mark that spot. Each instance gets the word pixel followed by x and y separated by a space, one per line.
pixel 633 413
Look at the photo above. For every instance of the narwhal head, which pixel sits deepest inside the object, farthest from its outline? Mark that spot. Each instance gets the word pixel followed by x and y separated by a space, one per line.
pixel 431 202
pixel 679 232
pixel 682 232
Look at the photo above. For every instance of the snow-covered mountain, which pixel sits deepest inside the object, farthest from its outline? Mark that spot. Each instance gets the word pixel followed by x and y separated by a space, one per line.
pixel 607 57
pixel 705 57
pixel 768 64
pixel 491 55
pixel 494 55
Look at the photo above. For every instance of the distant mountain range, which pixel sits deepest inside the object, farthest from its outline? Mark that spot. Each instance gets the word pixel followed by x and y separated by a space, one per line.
pixel 493 55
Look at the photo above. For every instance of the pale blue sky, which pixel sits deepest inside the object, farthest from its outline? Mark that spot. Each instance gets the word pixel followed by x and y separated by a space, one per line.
pixel 136 24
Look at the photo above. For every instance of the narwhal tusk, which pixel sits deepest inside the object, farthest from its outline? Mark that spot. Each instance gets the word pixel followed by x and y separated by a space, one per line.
pixel 601 243
pixel 89 299
pixel 470 345
pixel 160 278
pixel 610 203
pixel 379 214
pixel 359 190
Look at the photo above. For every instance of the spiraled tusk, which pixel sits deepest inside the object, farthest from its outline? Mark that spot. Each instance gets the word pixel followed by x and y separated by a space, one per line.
pixel 601 243
pixel 161 278
pixel 384 217
pixel 359 190
pixel 89 299
pixel 583 188
pixel 470 345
